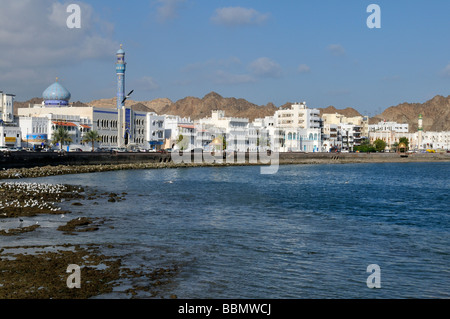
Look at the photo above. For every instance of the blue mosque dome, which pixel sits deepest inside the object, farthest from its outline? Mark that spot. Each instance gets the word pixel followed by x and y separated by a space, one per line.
pixel 56 94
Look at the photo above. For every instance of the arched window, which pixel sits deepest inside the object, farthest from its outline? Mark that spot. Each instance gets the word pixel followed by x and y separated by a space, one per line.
pixel 310 136
pixel 290 136
pixel 294 136
pixel 315 136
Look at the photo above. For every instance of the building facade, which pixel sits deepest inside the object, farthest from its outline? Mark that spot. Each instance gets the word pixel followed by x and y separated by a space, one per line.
pixel 10 134
pixel 298 129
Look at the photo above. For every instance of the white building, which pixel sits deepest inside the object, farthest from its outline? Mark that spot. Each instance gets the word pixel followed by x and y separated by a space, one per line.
pixel 298 129
pixel 10 135
pixel 298 116
pixel 155 131
pixel 35 131
pixel 266 132
pixel 430 140
pixel 436 140
pixel 178 128
pixel 351 135
pixel 332 138
pixel 389 126
pixel 233 129
pixel 6 107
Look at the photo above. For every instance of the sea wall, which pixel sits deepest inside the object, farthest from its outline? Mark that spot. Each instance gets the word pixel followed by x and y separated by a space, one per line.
pixel 324 158
pixel 36 159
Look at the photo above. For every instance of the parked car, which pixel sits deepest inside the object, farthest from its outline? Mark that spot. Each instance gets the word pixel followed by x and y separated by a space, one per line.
pixel 119 149
pixel 4 149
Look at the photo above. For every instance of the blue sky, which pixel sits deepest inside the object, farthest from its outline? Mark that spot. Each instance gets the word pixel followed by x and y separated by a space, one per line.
pixel 321 52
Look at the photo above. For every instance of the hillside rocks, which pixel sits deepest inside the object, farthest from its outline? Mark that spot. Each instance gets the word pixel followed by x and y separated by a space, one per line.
pixel 436 112
pixel 197 108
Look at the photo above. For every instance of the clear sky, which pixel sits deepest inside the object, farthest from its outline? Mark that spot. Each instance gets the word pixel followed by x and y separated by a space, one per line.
pixel 321 52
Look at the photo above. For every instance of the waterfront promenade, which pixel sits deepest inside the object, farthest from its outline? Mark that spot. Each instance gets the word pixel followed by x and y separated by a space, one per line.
pixel 30 164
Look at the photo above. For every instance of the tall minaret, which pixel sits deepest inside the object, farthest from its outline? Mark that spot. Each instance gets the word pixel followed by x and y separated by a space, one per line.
pixel 120 71
pixel 419 133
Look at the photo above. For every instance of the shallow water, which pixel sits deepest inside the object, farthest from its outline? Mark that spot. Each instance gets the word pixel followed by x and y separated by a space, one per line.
pixel 309 231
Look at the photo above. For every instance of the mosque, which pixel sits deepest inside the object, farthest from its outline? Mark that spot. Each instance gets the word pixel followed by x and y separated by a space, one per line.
pixel 118 127
pixel 56 95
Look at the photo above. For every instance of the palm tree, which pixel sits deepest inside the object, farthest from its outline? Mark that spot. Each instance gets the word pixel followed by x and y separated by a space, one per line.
pixel 61 135
pixel 91 137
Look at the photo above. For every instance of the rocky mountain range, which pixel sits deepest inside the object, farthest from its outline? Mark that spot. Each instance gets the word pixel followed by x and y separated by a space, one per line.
pixel 436 112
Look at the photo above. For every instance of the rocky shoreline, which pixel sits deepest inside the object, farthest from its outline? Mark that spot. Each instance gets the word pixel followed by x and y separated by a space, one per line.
pixel 17 173
pixel 29 165
pixel 40 271
pixel 285 159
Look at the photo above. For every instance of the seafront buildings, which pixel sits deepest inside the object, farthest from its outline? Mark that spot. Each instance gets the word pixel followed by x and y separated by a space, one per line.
pixel 299 128
pixel 293 129
pixel 10 135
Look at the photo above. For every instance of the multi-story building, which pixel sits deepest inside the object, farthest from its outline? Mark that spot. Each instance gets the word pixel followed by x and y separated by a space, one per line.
pixel 351 135
pixel 298 116
pixel 266 133
pixel 233 129
pixel 6 107
pixel 10 135
pixel 155 132
pixel 350 132
pixel 332 138
pixel 389 126
pixel 35 131
pixel 299 129
pixel 178 129
pixel 435 140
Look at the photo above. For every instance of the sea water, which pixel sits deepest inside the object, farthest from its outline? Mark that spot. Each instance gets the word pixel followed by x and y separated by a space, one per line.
pixel 308 231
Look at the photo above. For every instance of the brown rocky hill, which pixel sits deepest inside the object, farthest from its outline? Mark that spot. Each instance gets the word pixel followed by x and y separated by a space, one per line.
pixel 197 108
pixel 348 112
pixel 140 107
pixel 148 106
pixel 435 112
pixel 110 103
